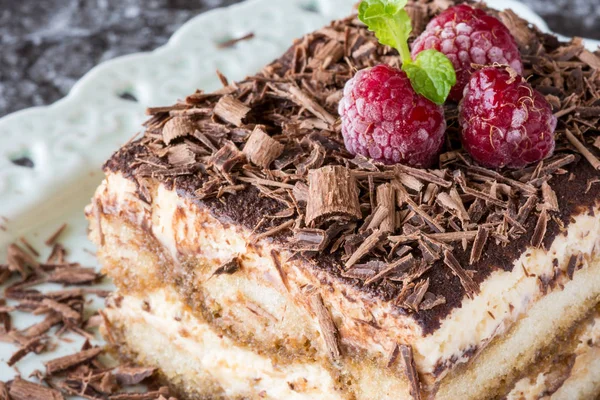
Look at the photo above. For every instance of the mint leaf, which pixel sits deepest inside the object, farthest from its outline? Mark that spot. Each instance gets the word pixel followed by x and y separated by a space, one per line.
pixel 390 23
pixel 431 75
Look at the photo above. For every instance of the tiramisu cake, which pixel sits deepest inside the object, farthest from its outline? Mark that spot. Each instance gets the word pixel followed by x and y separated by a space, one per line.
pixel 334 228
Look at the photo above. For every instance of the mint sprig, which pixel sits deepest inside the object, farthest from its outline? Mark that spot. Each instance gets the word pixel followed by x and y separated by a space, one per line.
pixel 431 74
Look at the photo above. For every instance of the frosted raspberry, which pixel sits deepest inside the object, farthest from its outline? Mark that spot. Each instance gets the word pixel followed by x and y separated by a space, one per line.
pixel 385 119
pixel 505 122
pixel 469 36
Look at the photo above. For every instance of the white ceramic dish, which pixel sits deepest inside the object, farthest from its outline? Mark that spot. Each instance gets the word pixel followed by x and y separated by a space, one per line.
pixel 69 140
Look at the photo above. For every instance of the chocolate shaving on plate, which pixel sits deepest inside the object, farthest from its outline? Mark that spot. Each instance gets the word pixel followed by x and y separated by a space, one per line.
pixel 24 390
pixel 233 42
pixel 133 375
pixel 51 241
pixel 66 362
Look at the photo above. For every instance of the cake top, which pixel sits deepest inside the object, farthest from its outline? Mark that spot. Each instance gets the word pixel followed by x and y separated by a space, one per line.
pixel 268 153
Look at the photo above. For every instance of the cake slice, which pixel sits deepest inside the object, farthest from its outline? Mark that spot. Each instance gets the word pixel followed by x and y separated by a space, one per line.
pixel 256 258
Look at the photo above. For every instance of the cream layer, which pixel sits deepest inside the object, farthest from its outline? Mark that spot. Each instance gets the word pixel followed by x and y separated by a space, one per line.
pixel 581 380
pixel 157 329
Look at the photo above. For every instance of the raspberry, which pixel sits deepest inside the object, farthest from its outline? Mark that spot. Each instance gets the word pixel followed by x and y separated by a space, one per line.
pixel 505 122
pixel 469 36
pixel 385 119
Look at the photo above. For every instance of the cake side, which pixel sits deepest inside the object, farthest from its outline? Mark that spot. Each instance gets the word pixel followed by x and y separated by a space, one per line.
pixel 196 241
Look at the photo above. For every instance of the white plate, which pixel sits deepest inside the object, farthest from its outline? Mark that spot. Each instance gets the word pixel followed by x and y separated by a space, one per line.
pixel 69 140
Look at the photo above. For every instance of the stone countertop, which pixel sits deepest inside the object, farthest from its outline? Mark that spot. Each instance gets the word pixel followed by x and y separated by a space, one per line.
pixel 46 46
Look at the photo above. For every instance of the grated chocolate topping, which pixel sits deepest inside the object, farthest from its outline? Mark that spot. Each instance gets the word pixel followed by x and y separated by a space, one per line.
pixel 267 153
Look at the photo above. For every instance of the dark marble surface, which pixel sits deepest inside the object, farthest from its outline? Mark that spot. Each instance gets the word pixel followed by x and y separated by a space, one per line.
pixel 47 45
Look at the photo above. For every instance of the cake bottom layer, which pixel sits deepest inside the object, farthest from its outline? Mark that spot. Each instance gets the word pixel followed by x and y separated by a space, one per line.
pixel 573 373
pixel 202 364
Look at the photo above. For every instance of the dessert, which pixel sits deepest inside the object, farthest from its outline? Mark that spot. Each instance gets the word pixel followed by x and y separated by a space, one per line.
pixel 257 257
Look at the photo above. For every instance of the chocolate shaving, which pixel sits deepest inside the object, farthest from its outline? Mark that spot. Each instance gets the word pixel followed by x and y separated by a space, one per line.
pixel 429 253
pixel 486 197
pixel 467 282
pixel 411 182
pixel 304 100
pixel 330 53
pixel 308 239
pixel 27 347
pixel 364 271
pixel 74 275
pixel 571 266
pixel 592 159
pixel 540 229
pixel 228 268
pixel 374 220
pixel 410 370
pixel 332 192
pixel 366 246
pixel 181 155
pixel 413 301
pixel 423 214
pixel 479 244
pixel 326 326
pixel 97 210
pixel 590 182
pixel 526 209
pixel 549 196
pixel 44 326
pixel 231 110
pixel 518 27
pixel 392 355
pixel 275 230
pixel 386 198
pixel 401 265
pixel 70 361
pixel 163 391
pixel 29 247
pixel 23 390
pixel 19 261
pixel 431 301
pixel 590 59
pixel 449 203
pixel 67 312
pixel 51 241
pixel 3 391
pixel 423 175
pixel 279 268
pixel 133 375
pixel 232 42
pixel 226 157
pixel 261 149
pixel 177 127
pixel 523 187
